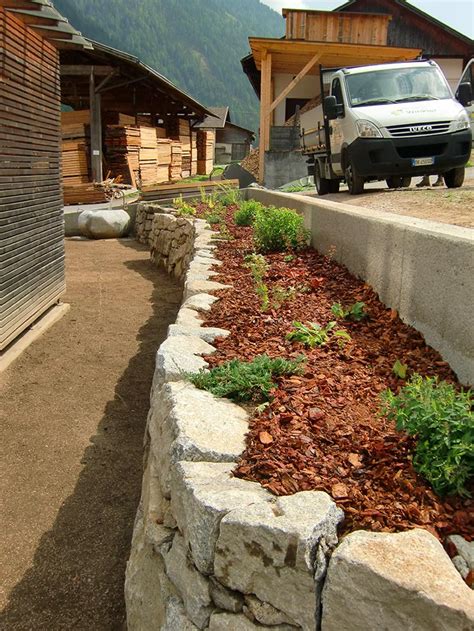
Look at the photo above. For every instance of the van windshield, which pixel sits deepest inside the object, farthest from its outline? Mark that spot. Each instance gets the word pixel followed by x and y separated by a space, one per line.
pixel 396 85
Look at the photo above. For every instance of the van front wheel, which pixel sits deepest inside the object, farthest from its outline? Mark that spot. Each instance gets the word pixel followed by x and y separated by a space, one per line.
pixel 354 182
pixel 454 178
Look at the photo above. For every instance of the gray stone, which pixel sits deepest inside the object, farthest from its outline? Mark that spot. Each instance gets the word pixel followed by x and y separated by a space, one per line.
pixel 396 582
pixel 239 622
pixel 193 287
pixel 179 355
pixel 200 302
pixel 192 425
pixel 146 585
pixel 206 260
pixel 208 334
pixel 192 586
pixel 188 317
pixel 104 224
pixel 266 613
pixel 176 618
pixel 464 548
pixel 203 273
pixel 461 565
pixel 202 494
pixel 225 598
pixel 270 549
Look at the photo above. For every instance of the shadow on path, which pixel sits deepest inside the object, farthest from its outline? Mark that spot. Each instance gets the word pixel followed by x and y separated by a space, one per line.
pixel 76 581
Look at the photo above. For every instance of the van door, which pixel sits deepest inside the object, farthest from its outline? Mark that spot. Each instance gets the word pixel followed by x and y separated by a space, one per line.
pixel 468 77
pixel 336 135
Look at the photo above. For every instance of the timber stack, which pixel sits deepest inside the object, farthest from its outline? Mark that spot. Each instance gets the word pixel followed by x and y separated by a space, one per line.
pixel 205 152
pixel 122 150
pixel 194 156
pixel 176 165
pixel 179 129
pixel 148 156
pixel 75 147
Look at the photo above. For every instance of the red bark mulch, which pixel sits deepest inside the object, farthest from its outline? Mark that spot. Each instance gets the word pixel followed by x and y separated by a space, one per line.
pixel 323 430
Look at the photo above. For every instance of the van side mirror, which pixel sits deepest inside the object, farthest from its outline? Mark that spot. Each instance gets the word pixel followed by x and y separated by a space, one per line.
pixel 464 94
pixel 331 108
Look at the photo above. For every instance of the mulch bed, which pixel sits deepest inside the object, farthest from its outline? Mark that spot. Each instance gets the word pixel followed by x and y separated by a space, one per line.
pixel 323 429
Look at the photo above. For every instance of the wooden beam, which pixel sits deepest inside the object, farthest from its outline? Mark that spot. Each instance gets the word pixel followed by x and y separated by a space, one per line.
pixel 96 131
pixel 311 63
pixel 265 102
pixel 83 70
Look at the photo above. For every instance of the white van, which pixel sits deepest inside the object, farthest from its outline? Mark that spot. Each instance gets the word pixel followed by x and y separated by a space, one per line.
pixel 468 77
pixel 388 122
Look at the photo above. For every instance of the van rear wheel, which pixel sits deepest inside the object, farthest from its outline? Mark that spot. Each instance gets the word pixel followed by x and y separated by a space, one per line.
pixel 322 183
pixel 354 182
pixel 454 178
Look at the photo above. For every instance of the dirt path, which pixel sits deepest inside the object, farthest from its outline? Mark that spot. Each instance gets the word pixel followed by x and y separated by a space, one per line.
pixel 74 407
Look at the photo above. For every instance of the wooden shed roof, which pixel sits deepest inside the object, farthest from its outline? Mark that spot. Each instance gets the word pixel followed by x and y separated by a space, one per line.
pixel 44 19
pixel 290 56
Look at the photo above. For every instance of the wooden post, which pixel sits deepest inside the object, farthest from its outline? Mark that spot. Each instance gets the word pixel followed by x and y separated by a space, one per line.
pixel 96 131
pixel 265 103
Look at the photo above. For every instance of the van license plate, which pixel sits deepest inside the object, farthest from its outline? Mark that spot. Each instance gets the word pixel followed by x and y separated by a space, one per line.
pixel 422 162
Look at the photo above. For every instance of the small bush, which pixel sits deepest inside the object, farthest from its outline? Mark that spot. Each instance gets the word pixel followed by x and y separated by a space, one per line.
pixel 182 207
pixel 312 334
pixel 229 196
pixel 355 312
pixel 247 211
pixel 258 268
pixel 279 229
pixel 246 381
pixel 442 421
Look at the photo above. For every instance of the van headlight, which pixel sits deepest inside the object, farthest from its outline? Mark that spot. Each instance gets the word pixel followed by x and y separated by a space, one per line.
pixel 366 129
pixel 461 122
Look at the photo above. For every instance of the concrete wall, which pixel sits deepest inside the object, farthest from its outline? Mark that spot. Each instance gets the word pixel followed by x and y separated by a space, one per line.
pixel 423 269
pixel 282 167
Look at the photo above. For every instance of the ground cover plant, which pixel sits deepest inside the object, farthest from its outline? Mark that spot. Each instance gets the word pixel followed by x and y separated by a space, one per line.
pixel 279 229
pixel 323 428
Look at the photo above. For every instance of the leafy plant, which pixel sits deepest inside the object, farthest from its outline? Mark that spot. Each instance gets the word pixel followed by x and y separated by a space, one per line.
pixel 182 207
pixel 355 312
pixel 399 369
pixel 442 421
pixel 312 334
pixel 288 258
pixel 228 195
pixel 258 268
pixel 247 211
pixel 280 295
pixel 279 229
pixel 225 234
pixel 246 381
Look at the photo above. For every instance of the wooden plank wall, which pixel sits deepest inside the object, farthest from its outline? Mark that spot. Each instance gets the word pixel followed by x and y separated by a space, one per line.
pixel 31 222
pixel 348 28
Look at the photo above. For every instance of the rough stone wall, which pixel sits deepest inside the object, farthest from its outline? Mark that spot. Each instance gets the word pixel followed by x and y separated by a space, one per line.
pixel 211 551
pixel 172 242
pixel 144 220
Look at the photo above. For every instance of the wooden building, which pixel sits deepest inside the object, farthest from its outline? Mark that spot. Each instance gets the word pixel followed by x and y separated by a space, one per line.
pixel 232 141
pixel 285 72
pixel 121 99
pixel 31 219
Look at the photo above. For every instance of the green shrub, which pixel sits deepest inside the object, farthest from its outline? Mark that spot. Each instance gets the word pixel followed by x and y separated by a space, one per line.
pixel 355 312
pixel 228 195
pixel 258 268
pixel 247 211
pixel 182 207
pixel 442 421
pixel 279 229
pixel 246 381
pixel 312 334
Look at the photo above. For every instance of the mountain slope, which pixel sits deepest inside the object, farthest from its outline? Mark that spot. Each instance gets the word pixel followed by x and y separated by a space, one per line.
pixel 197 44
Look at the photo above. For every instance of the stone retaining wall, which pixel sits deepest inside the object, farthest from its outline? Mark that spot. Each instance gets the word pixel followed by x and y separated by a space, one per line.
pixel 211 551
pixel 144 221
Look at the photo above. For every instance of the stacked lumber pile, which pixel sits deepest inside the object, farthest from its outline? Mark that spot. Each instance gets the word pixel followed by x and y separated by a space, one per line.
pixel 205 152
pixel 148 156
pixel 75 164
pixel 194 154
pixel 122 147
pixel 164 159
pixel 176 165
pixel 84 194
pixel 251 163
pixel 115 118
pixel 179 130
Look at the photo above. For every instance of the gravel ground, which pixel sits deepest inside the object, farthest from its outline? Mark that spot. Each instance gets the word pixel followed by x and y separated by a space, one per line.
pixel 454 206
pixel 74 407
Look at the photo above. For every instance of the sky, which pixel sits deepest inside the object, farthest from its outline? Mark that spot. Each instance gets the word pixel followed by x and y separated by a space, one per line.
pixel 458 14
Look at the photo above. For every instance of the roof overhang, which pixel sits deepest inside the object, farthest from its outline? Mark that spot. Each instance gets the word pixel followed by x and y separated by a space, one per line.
pixel 44 19
pixel 290 56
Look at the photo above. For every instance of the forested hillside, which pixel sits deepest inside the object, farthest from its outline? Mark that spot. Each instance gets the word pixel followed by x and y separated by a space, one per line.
pixel 197 44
